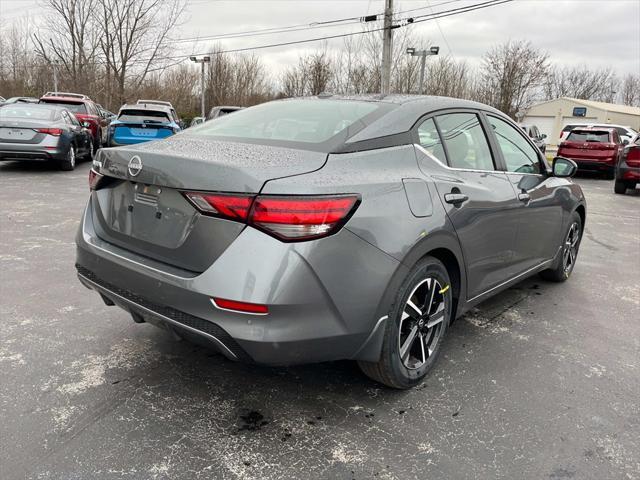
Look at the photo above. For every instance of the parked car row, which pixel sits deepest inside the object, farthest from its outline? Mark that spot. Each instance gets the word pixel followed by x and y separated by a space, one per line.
pixel 26 133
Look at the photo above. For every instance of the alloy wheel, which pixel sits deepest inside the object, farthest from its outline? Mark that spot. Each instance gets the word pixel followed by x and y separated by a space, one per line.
pixel 570 251
pixel 421 323
pixel 72 157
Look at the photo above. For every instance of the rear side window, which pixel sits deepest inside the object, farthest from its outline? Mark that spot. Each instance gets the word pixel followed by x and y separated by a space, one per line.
pixel 430 140
pixel 519 155
pixel 588 136
pixel 465 141
pixel 143 116
pixel 305 121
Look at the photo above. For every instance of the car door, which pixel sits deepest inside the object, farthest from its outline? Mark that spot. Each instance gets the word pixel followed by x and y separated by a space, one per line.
pixel 540 211
pixel 478 198
pixel 81 135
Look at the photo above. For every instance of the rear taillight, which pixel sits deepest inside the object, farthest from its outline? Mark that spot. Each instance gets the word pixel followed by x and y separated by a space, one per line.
pixel 301 218
pixel 288 218
pixel 229 206
pixel 94 179
pixel 56 132
pixel 633 157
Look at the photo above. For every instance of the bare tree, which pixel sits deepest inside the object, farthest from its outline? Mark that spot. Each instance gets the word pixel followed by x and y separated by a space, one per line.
pixel 69 39
pixel 630 90
pixel 134 38
pixel 511 74
pixel 579 82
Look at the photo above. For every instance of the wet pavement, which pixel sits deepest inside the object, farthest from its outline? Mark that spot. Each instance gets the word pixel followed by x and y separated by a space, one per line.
pixel 543 381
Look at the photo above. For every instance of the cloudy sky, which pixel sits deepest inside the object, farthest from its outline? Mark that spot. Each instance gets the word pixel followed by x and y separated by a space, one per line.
pixel 598 33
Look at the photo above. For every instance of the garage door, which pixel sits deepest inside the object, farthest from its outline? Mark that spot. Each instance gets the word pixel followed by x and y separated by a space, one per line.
pixel 544 124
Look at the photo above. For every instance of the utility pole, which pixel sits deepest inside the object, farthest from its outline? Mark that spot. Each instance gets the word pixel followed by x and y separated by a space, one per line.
pixel 387 34
pixel 55 75
pixel 201 61
pixel 423 54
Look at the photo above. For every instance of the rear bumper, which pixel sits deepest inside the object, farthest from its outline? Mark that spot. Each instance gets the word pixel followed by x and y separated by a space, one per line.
pixel 34 154
pixel 317 312
pixel 594 165
pixel 627 173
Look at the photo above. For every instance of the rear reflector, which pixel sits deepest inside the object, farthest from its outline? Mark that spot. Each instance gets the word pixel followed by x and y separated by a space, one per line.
pixel 242 307
pixel 229 206
pixel 56 132
pixel 288 218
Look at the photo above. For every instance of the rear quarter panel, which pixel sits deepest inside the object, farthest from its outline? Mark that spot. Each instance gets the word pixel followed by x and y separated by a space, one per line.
pixel 384 220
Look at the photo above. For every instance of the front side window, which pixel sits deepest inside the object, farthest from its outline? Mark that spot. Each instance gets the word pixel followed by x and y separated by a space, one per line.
pixel 519 155
pixel 465 141
pixel 430 140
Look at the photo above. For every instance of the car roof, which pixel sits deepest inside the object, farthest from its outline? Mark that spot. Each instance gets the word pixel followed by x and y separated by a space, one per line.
pixel 405 112
pixel 152 107
pixel 595 129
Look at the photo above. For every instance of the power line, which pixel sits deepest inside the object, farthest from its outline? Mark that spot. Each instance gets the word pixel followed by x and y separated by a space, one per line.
pixel 421 18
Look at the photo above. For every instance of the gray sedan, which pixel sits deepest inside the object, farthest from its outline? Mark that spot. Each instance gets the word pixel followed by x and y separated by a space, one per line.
pixel 328 228
pixel 42 133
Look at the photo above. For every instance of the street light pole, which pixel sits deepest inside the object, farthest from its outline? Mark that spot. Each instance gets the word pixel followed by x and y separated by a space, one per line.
pixel 201 61
pixel 55 76
pixel 423 54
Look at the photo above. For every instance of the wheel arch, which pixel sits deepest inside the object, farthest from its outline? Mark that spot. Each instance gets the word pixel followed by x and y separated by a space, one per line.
pixel 582 211
pixel 442 245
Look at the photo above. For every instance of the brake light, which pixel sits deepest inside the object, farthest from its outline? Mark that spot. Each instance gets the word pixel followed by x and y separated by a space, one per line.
pixel 301 218
pixel 224 205
pixel 633 156
pixel 243 307
pixel 56 132
pixel 94 179
pixel 288 218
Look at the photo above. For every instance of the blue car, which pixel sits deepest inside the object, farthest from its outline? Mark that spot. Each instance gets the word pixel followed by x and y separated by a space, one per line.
pixel 143 122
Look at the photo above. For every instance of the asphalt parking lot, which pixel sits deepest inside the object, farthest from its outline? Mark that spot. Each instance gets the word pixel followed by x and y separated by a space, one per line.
pixel 543 381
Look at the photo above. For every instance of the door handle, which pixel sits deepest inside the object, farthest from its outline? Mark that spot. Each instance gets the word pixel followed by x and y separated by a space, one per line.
pixel 524 197
pixel 455 198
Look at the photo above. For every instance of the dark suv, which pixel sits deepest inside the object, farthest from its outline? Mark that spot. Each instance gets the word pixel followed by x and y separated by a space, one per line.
pixel 535 136
pixel 85 110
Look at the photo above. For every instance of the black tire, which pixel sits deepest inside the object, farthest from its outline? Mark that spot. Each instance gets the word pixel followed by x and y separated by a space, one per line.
pixel 69 163
pixel 391 370
pixel 90 153
pixel 561 271
pixel 620 187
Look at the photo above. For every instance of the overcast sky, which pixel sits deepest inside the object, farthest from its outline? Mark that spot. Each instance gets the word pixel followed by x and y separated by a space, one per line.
pixel 599 33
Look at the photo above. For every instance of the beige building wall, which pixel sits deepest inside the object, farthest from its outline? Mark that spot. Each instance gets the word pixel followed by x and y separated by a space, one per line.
pixel 552 116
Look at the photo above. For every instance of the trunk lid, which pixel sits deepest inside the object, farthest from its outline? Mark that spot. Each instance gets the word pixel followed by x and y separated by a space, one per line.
pixel 147 213
pixel 21 132
pixel 594 151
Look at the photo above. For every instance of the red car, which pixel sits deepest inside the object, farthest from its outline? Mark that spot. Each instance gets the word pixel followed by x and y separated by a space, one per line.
pixel 85 110
pixel 628 168
pixel 592 148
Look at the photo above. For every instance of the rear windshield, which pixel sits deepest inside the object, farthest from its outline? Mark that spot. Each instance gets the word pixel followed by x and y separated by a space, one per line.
pixel 74 107
pixel 304 122
pixel 588 136
pixel 143 116
pixel 19 110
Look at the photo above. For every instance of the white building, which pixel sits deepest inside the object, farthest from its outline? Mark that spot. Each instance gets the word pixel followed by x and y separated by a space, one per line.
pixel 551 116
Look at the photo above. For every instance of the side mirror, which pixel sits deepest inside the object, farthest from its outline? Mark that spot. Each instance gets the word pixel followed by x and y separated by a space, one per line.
pixel 625 142
pixel 543 136
pixel 564 167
